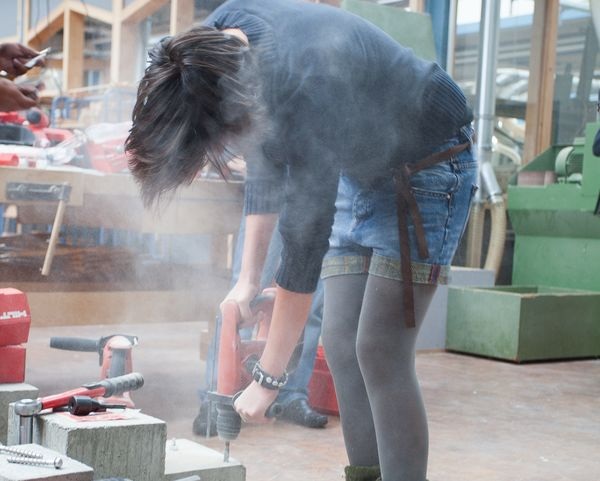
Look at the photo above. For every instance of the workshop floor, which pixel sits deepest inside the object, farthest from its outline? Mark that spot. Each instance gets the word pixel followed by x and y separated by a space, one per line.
pixel 489 420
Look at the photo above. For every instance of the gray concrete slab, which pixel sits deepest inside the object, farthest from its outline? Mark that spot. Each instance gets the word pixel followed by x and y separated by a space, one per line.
pixel 131 447
pixel 186 458
pixel 70 470
pixel 10 393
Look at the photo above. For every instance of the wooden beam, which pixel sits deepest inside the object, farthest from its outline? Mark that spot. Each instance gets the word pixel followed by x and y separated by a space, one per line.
pixel 96 64
pixel 182 15
pixel 91 11
pixel 542 69
pixel 138 10
pixel 123 61
pixel 46 28
pixel 73 41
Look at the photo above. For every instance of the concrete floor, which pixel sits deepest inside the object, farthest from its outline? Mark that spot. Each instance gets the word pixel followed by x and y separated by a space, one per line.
pixel 489 420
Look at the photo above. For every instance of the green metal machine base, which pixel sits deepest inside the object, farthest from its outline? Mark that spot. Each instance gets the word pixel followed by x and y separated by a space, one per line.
pixel 557 226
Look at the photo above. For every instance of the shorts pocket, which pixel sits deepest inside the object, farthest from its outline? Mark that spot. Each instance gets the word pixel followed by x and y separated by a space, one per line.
pixel 439 180
pixel 434 208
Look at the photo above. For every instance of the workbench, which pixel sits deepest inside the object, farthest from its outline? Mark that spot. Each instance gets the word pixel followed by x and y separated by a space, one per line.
pixel 210 207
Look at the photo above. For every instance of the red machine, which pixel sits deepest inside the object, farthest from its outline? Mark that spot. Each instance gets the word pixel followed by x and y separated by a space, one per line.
pixel 114 353
pixel 15 321
pixel 236 360
pixel 105 146
pixel 235 353
pixel 32 129
pixel 29 141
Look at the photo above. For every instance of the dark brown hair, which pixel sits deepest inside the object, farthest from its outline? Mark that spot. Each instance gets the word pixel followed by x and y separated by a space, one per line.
pixel 192 99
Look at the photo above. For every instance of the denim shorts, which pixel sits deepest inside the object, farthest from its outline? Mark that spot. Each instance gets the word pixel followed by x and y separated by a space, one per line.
pixel 364 237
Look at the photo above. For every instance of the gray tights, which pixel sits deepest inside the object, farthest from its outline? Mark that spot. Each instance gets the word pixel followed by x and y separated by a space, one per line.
pixel 371 354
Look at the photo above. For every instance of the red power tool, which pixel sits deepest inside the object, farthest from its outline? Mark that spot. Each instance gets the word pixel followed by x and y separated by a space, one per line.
pixel 237 358
pixel 114 356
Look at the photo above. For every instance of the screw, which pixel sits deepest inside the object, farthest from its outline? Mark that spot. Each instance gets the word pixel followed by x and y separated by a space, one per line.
pixel 15 451
pixel 56 462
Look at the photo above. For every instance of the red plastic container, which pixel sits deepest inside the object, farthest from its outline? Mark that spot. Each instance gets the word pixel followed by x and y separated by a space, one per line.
pixel 15 317
pixel 321 393
pixel 12 364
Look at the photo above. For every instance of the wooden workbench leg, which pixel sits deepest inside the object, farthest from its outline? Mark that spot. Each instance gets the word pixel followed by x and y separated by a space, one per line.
pixel 54 235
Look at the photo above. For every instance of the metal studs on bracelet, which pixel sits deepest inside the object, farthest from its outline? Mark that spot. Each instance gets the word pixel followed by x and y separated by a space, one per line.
pixel 267 380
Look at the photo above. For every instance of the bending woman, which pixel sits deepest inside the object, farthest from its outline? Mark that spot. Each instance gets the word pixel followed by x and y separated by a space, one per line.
pixel 323 105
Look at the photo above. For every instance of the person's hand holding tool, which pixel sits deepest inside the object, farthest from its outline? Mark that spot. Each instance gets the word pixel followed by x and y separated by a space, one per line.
pixel 242 294
pixel 15 59
pixel 254 402
pixel 16 97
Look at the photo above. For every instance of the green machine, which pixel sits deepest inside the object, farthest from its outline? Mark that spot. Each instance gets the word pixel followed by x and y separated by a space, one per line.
pixel 557 221
pixel 552 310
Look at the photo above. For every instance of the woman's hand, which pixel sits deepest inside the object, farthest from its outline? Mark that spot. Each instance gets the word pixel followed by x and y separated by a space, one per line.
pixel 242 294
pixel 253 403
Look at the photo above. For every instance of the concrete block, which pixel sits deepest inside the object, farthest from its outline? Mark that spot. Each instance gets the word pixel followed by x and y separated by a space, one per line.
pixel 71 470
pixel 186 458
pixel 127 443
pixel 10 393
pixel 433 331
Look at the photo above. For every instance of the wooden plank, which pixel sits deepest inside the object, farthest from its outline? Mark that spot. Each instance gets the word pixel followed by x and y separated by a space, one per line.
pixel 46 28
pixel 91 11
pixel 75 179
pixel 119 307
pixel 182 15
pixel 542 67
pixel 138 10
pixel 73 43
pixel 113 201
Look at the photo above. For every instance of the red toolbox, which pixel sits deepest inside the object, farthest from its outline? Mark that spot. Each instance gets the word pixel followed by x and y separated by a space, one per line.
pixel 15 317
pixel 12 364
pixel 321 393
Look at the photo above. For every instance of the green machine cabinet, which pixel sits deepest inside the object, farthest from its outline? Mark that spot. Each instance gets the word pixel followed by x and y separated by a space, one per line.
pixel 557 225
pixel 524 323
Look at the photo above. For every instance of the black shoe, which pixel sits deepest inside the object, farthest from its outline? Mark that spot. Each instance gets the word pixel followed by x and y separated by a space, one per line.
pixel 299 412
pixel 203 420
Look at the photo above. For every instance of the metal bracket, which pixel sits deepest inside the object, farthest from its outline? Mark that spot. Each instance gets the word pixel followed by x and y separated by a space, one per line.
pixel 18 191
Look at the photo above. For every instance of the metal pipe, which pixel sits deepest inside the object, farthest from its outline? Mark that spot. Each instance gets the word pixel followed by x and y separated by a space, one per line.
pixel 486 94
pixel 451 46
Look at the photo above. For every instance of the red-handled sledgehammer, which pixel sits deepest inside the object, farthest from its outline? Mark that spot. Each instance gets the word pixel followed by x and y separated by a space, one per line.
pixel 27 408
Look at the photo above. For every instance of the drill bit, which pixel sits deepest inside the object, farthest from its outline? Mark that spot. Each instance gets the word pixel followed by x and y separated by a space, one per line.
pixel 226 452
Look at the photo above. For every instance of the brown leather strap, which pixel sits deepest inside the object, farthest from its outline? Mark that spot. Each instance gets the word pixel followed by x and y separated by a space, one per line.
pixel 406 205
